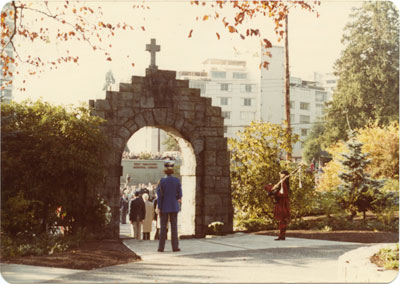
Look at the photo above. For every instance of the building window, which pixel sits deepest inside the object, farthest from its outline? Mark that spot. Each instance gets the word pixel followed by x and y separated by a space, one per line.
pixel 292 118
pixel 237 75
pixel 247 101
pixel 226 114
pixel 246 88
pixel 304 132
pixel 330 81
pixel 225 129
pixel 216 74
pixel 247 115
pixel 225 87
pixel 304 106
pixel 292 104
pixel 224 101
pixel 320 96
pixel 304 119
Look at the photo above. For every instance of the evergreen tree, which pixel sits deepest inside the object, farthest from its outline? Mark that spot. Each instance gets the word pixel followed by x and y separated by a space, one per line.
pixel 368 71
pixel 357 191
pixel 109 81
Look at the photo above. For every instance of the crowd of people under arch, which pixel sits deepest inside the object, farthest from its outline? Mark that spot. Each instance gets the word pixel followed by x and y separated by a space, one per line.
pixel 146 192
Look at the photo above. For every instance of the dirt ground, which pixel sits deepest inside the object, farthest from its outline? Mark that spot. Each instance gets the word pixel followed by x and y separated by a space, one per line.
pixel 90 255
pixel 96 254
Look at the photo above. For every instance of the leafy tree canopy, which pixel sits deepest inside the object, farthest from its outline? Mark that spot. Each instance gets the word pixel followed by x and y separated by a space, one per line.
pixel 255 162
pixel 313 144
pixel 382 145
pixel 368 70
pixel 49 160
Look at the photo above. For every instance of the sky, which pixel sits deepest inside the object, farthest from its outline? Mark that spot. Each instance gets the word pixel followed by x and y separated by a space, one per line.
pixel 314 46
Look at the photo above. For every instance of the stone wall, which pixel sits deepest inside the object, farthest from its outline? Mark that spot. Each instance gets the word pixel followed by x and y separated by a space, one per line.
pixel 159 100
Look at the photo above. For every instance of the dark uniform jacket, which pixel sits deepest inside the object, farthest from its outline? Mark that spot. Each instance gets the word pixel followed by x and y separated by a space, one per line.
pixel 169 191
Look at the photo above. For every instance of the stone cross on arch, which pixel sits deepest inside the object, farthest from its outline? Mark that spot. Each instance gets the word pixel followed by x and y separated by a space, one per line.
pixel 153 48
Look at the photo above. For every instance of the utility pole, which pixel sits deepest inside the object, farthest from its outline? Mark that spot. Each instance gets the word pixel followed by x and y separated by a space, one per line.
pixel 159 140
pixel 287 90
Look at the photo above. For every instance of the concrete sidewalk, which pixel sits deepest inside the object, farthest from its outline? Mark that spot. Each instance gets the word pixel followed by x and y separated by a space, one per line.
pixel 243 258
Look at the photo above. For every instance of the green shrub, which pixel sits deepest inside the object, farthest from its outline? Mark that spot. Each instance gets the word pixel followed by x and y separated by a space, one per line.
pixel 38 245
pixel 340 222
pixel 299 224
pixel 387 203
pixel 326 203
pixel 19 216
pixel 50 159
pixel 256 224
pixel 45 243
pixel 389 257
pixel 216 227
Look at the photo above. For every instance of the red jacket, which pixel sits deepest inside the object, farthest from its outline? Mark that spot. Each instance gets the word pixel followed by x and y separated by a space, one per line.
pixel 282 208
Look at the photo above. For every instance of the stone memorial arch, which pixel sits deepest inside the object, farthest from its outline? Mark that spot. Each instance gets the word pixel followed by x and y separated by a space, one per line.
pixel 160 100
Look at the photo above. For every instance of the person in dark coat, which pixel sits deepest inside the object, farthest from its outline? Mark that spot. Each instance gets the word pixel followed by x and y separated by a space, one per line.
pixel 137 212
pixel 282 207
pixel 124 206
pixel 169 191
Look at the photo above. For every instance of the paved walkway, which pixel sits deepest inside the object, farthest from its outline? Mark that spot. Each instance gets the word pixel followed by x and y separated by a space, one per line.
pixel 235 258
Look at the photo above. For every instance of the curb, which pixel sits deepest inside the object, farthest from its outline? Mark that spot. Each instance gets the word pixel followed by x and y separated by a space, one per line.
pixel 356 267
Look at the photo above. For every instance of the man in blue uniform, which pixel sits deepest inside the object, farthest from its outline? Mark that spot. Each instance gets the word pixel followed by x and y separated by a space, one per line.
pixel 169 193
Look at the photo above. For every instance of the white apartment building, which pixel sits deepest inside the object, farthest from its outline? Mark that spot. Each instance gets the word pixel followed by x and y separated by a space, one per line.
pixel 328 81
pixel 155 138
pixel 307 98
pixel 272 86
pixel 231 86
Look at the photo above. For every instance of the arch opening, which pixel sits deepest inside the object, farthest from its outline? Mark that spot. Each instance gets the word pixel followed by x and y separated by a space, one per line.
pixel 151 170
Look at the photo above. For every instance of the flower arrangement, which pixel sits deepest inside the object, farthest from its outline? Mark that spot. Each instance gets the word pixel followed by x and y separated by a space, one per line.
pixel 216 227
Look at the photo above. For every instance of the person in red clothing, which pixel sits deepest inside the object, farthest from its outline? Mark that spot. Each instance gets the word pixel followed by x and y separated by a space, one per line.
pixel 280 193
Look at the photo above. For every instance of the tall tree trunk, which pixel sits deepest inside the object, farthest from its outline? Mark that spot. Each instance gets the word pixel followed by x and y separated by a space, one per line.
pixel 287 90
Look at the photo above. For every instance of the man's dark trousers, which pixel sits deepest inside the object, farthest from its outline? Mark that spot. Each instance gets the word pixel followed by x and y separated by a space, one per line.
pixel 173 217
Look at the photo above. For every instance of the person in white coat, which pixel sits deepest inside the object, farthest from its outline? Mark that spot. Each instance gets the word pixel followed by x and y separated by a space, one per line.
pixel 148 219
